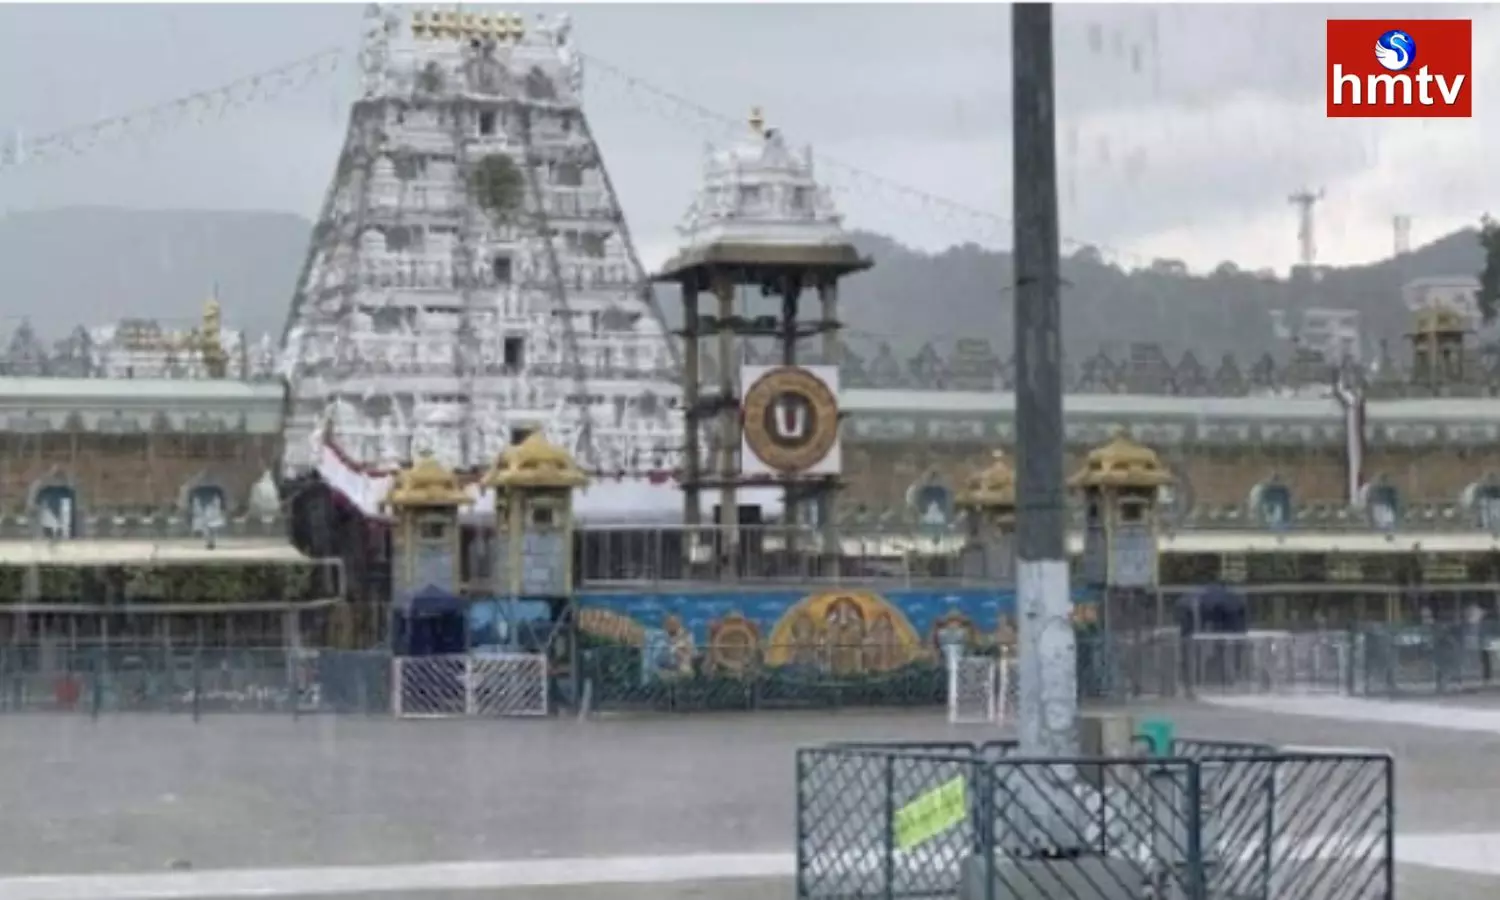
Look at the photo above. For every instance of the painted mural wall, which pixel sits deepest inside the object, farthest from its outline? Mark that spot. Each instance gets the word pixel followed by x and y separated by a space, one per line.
pixel 839 631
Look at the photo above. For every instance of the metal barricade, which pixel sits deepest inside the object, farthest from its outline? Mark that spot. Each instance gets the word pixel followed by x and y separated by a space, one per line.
pixel 508 684
pixel 1270 663
pixel 908 821
pixel 430 687
pixel 488 685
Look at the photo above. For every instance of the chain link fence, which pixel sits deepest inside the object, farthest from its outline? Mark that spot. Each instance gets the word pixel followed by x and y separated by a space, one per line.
pixel 114 678
pixel 1375 661
pixel 1383 661
pixel 1370 660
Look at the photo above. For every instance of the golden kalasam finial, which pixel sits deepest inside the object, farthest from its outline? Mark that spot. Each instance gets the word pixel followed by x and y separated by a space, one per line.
pixel 757 120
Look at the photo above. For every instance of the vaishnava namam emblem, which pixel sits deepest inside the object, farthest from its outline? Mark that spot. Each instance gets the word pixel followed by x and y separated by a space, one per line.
pixel 791 419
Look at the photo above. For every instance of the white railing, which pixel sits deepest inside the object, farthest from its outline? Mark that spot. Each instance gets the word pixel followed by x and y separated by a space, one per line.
pixel 488 685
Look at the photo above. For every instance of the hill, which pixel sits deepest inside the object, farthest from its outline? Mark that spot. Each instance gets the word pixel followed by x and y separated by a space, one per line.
pixel 93 265
pixel 63 267
pixel 1103 305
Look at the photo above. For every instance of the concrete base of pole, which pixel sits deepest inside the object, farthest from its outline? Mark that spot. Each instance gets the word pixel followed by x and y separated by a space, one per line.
pixel 1097 877
pixel 1048 710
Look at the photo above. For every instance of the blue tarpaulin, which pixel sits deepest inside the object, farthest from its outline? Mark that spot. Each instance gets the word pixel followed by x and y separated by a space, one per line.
pixel 432 623
pixel 1214 610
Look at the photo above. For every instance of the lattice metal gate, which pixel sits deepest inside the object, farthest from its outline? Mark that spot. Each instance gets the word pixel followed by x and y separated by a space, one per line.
pixel 1215 821
pixel 491 685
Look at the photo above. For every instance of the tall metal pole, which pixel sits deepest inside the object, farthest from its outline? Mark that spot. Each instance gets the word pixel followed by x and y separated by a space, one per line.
pixel 1048 665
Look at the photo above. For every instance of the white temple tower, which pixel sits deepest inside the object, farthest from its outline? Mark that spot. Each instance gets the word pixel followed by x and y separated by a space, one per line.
pixel 471 277
pixel 760 237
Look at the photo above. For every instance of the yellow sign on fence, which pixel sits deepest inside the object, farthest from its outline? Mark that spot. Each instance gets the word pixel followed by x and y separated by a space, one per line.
pixel 940 809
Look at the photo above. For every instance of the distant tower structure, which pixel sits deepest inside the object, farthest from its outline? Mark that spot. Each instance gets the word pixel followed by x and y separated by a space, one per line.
pixel 1438 349
pixel 1401 225
pixel 1307 245
pixel 762 232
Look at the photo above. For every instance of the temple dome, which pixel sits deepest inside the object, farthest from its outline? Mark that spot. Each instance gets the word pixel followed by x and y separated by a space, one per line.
pixel 994 486
pixel 535 463
pixel 1121 463
pixel 426 482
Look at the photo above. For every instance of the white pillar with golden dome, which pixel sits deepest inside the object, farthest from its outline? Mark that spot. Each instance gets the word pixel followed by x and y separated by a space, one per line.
pixel 533 483
pixel 988 502
pixel 1437 338
pixel 424 500
pixel 1120 481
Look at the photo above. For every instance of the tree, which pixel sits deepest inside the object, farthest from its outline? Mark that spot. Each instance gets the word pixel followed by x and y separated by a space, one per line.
pixel 1489 278
pixel 497 185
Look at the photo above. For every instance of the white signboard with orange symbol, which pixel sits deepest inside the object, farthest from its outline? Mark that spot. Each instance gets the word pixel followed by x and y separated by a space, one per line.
pixel 791 420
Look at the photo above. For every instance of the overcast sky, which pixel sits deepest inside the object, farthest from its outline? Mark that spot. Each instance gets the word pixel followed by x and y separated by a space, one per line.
pixel 1183 129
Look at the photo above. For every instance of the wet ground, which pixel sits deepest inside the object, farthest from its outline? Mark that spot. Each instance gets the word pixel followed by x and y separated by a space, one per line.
pixel 138 793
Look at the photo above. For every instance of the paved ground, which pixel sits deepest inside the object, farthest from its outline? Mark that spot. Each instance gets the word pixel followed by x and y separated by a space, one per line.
pixel 1414 883
pixel 133 793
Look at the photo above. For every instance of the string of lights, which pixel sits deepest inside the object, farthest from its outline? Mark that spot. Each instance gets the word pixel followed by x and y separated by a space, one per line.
pixel 271 84
pixel 673 106
pixel 199 106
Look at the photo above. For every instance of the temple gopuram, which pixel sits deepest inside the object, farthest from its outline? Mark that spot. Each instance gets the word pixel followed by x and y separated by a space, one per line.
pixel 1339 491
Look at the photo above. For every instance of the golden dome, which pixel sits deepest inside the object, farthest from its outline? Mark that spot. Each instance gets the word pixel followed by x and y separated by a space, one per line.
pixel 494 477
pixel 536 463
pixel 426 483
pixel 1121 463
pixel 994 486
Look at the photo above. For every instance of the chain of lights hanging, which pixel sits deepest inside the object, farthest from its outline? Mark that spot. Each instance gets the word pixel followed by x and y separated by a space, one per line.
pixel 674 107
pixel 271 84
pixel 198 107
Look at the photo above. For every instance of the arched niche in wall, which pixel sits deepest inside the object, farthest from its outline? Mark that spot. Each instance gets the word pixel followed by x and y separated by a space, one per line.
pixel 1481 500
pixel 931 502
pixel 1175 501
pixel 1382 504
pixel 1271 503
pixel 205 504
pixel 53 505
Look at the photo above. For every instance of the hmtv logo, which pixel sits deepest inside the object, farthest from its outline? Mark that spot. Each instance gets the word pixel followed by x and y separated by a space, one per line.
pixel 1380 68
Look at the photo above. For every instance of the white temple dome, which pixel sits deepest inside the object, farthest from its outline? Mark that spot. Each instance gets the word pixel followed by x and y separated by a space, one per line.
pixel 758 191
pixel 265 499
